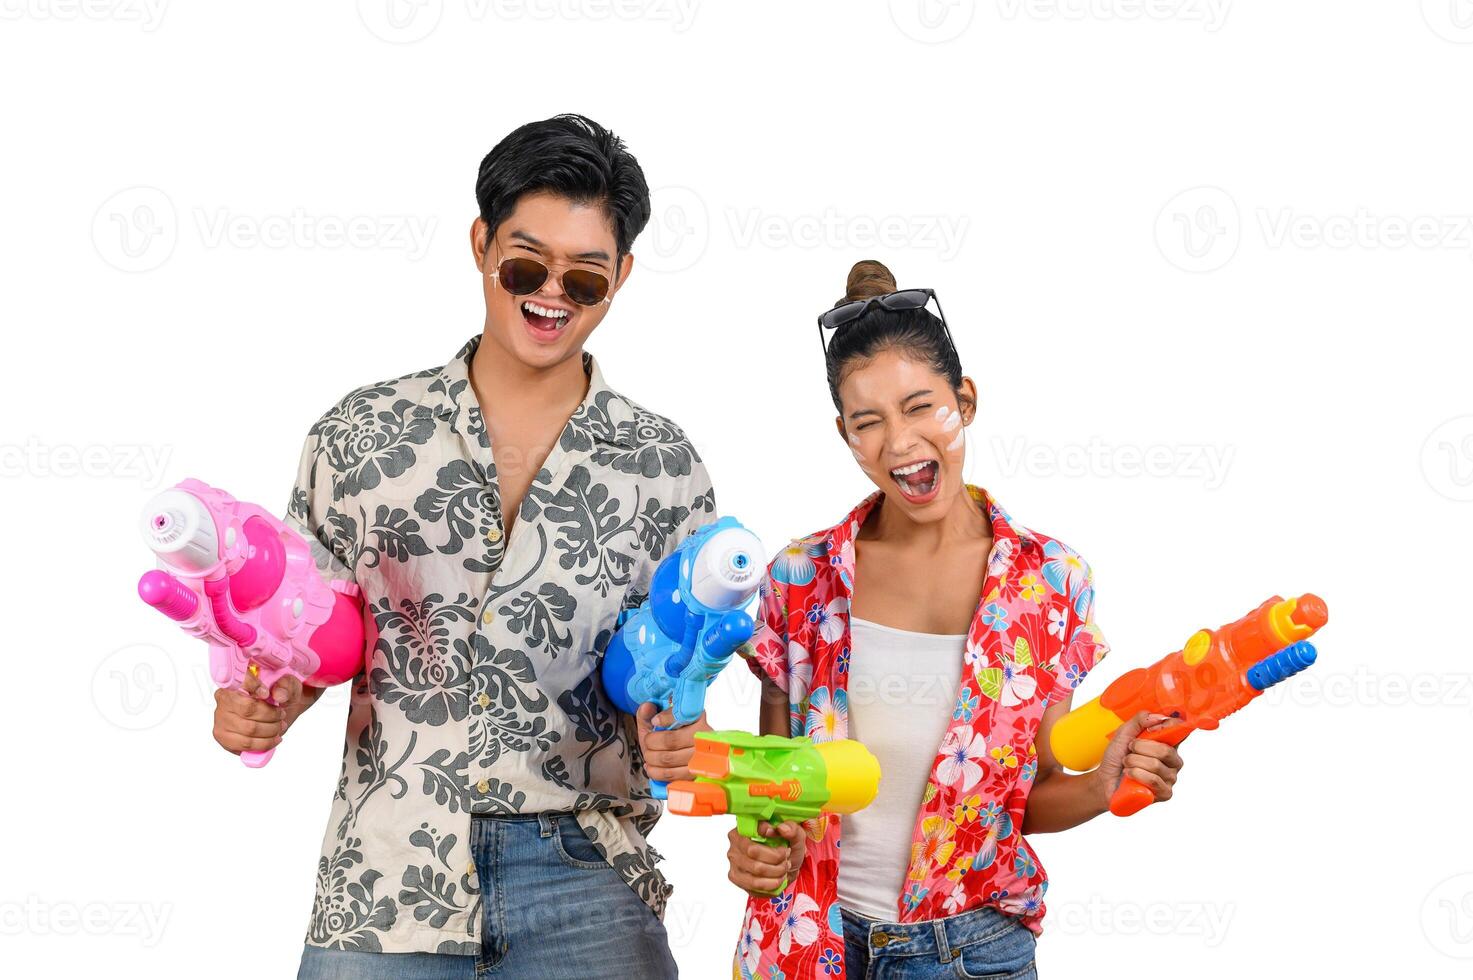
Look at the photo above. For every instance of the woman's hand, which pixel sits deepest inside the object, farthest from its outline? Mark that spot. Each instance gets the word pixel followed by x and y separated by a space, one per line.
pixel 761 870
pixel 1154 765
pixel 246 722
pixel 667 753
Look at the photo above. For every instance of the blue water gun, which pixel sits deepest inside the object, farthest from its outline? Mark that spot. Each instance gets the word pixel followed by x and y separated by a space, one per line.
pixel 669 649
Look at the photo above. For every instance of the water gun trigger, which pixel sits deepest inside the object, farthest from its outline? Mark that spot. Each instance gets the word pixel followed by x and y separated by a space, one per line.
pixel 1175 729
pixel 1131 796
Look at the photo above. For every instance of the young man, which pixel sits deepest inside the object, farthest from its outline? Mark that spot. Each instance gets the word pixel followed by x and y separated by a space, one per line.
pixel 498 514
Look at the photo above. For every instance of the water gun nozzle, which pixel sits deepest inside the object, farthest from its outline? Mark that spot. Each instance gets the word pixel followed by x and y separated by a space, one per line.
pixel 1310 612
pixel 692 799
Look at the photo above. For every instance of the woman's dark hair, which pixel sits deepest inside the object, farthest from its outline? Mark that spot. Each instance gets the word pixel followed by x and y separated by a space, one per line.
pixel 917 332
pixel 572 156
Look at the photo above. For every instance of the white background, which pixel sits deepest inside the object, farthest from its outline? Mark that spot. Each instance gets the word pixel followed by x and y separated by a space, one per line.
pixel 1166 233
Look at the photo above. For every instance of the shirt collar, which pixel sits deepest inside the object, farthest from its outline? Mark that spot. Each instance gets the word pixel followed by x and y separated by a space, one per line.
pixel 606 415
pixel 1007 538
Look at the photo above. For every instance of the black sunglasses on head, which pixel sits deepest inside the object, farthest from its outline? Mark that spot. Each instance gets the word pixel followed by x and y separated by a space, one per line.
pixel 902 299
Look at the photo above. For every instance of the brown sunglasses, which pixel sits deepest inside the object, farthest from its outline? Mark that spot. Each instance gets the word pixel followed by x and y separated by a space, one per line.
pixel 524 276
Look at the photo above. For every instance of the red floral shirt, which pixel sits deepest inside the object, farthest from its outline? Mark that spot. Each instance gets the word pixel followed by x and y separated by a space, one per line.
pixel 1032 641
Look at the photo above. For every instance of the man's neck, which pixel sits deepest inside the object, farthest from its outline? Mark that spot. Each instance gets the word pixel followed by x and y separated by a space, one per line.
pixel 505 387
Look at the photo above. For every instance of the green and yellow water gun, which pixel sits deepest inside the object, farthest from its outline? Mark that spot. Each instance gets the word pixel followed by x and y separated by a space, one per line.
pixel 770 778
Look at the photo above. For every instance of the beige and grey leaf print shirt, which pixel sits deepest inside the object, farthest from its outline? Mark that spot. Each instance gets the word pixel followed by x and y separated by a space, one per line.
pixel 481 695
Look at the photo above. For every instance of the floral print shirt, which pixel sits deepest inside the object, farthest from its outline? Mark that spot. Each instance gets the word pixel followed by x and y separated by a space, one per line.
pixel 1031 642
pixel 481 691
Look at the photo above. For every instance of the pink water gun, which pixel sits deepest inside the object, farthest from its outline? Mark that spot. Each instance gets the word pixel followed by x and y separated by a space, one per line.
pixel 233 575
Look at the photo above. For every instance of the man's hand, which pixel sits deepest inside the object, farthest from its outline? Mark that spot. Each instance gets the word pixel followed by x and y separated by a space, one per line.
pixel 760 869
pixel 667 753
pixel 1153 764
pixel 246 722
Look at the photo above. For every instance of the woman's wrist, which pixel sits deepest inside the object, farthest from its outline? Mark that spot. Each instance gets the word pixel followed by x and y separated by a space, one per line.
pixel 302 702
pixel 1100 791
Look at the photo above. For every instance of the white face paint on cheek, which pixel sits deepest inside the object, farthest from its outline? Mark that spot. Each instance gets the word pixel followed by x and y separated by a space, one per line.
pixel 961 436
pixel 854 451
pixel 949 418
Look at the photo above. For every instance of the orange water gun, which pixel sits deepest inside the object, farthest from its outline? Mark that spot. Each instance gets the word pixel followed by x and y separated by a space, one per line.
pixel 1214 674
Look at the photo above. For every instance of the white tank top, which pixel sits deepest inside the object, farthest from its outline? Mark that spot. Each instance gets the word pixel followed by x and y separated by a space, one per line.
pixel 902 689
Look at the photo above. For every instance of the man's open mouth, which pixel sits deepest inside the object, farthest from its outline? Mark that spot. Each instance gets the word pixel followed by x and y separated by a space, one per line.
pixel 545 319
pixel 917 480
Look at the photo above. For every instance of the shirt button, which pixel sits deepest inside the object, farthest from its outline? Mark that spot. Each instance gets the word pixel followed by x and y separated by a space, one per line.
pixel 482 786
pixel 484 700
pixel 487 616
pixel 493 535
pixel 470 869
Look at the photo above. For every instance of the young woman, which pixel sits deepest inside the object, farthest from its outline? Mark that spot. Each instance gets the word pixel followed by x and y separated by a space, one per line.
pixel 946 637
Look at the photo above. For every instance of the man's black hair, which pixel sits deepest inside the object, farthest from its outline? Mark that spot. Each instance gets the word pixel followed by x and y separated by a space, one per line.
pixel 572 156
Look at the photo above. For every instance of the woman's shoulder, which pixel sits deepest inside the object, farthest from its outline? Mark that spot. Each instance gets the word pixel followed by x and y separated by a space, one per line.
pixel 1048 546
pixel 1030 539
pixel 820 556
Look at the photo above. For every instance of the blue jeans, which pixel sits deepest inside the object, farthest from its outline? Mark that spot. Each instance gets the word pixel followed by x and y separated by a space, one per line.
pixel 552 909
pixel 980 943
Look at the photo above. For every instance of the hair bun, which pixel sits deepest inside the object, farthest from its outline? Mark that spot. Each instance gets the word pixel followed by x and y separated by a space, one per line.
pixel 868 278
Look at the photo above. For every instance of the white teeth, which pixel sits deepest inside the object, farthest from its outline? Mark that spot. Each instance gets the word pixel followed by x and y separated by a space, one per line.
pixel 544 310
pixel 907 470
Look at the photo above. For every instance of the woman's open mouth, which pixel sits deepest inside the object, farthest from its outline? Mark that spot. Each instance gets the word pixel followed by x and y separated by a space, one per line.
pixel 545 323
pixel 919 481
